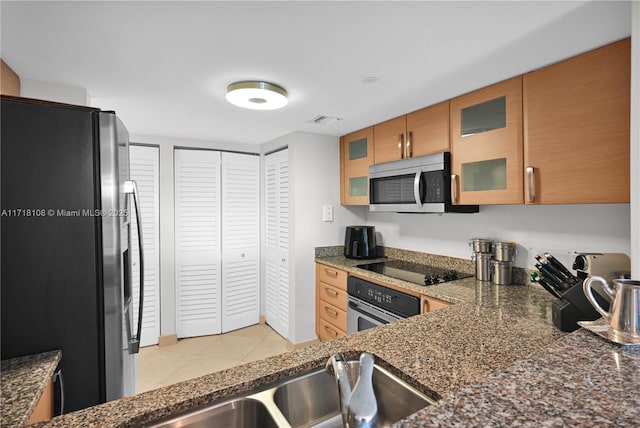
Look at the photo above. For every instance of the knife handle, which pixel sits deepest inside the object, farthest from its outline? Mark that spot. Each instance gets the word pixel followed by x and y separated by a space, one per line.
pixel 555 281
pixel 556 263
pixel 548 287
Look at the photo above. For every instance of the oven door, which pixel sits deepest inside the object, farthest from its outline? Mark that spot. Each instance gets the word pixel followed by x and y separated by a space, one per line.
pixel 363 316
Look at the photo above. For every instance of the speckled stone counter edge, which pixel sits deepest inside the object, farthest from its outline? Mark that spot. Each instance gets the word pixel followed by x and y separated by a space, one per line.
pixel 24 379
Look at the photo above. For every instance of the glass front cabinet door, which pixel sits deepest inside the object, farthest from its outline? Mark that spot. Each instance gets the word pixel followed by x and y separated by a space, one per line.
pixel 486 145
pixel 356 154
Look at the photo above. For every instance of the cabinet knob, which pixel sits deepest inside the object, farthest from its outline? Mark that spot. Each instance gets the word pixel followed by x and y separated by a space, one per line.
pixel 401 146
pixel 242 255
pixel 407 147
pixel 331 331
pixel 330 272
pixel 330 291
pixel 331 312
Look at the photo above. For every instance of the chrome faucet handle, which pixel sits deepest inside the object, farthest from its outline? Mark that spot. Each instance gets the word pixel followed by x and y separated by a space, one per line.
pixel 337 366
pixel 363 407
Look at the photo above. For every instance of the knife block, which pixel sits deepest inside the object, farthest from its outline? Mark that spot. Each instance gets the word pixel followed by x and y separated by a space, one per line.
pixel 573 306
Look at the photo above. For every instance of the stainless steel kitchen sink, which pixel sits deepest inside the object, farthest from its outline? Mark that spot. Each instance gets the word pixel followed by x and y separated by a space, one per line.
pixel 310 400
pixel 239 413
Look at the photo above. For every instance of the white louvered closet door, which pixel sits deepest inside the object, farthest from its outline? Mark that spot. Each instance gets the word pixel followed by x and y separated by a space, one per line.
pixel 277 241
pixel 198 255
pixel 144 169
pixel 240 241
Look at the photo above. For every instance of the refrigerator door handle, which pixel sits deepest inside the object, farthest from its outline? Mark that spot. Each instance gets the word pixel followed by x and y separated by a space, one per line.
pixel 57 379
pixel 130 188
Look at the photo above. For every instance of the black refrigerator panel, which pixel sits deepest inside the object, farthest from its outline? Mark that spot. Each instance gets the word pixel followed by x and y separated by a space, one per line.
pixel 51 257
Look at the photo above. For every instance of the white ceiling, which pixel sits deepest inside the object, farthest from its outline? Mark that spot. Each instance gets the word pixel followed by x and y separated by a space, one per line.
pixel 164 66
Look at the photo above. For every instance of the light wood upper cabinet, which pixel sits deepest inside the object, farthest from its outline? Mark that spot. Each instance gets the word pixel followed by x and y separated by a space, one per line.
pixel 486 145
pixel 420 133
pixel 576 128
pixel 389 140
pixel 429 129
pixel 356 154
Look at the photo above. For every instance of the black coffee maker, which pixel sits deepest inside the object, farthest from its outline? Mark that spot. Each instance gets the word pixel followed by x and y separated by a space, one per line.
pixel 360 242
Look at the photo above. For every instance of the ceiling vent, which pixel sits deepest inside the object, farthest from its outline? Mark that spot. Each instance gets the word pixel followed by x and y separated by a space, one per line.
pixel 325 120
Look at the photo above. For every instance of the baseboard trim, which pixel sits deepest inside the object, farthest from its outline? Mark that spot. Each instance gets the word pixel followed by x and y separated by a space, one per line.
pixel 167 339
pixel 295 346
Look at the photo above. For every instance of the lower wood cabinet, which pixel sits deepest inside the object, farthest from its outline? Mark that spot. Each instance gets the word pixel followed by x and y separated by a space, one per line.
pixel 430 304
pixel 44 409
pixel 331 302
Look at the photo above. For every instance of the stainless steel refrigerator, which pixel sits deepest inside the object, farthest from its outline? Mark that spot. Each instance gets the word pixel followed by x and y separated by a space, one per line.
pixel 67 203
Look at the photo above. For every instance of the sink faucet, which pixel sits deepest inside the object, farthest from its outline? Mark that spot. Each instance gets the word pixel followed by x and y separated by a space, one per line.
pixel 358 408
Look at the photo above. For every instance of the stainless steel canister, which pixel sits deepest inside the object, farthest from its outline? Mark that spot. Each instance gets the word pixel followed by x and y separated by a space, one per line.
pixel 483 266
pixel 481 245
pixel 504 251
pixel 502 272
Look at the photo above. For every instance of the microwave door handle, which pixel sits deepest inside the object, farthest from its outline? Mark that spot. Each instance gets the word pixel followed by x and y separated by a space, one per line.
pixel 132 188
pixel 416 188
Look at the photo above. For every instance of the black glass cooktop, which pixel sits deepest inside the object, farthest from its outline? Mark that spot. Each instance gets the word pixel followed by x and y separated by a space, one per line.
pixel 414 272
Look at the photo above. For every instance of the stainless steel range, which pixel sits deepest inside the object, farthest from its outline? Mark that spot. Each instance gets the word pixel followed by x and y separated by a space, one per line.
pixel 371 305
pixel 414 272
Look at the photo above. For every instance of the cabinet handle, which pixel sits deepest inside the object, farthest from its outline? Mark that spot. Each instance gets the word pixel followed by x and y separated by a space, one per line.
pixel 454 188
pixel 400 145
pixel 531 190
pixel 407 147
pixel 331 312
pixel 331 331
pixel 330 272
pixel 330 291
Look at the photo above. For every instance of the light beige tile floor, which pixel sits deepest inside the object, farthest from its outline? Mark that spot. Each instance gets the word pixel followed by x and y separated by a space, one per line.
pixel 193 357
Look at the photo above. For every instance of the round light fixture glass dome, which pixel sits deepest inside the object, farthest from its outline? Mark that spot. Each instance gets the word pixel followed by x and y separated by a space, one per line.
pixel 257 95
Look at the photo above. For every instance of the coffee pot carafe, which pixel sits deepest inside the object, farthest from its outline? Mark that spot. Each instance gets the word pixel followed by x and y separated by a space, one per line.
pixel 623 317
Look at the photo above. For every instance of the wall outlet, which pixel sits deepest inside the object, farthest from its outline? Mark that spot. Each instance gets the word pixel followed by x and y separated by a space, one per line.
pixel 327 213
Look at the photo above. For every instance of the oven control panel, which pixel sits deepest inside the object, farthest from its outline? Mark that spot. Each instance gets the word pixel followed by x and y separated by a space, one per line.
pixel 391 300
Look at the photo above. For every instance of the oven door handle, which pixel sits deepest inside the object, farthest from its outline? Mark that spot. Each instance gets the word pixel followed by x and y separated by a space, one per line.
pixel 416 188
pixel 357 307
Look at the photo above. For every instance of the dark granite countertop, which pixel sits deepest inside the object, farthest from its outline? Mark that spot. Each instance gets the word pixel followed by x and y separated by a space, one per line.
pixel 496 340
pixel 23 380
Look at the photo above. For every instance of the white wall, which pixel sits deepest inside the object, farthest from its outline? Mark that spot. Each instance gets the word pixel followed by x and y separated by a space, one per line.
pixel 314 171
pixel 167 235
pixel 54 92
pixel 559 229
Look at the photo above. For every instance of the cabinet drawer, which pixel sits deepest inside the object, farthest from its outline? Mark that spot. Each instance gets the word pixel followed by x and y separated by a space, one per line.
pixel 327 331
pixel 333 276
pixel 333 315
pixel 332 295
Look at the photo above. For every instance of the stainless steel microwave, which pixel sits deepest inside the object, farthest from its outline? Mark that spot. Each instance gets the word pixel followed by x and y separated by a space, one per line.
pixel 414 185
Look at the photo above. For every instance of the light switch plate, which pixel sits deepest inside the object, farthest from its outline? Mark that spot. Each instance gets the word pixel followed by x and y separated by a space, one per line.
pixel 327 213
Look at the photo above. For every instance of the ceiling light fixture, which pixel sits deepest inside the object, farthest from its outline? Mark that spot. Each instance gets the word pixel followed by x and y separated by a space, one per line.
pixel 257 95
